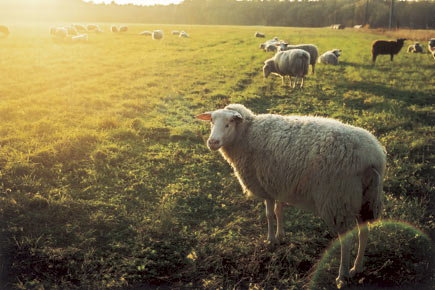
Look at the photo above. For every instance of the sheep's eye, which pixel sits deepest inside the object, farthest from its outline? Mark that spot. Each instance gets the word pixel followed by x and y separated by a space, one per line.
pixel 227 125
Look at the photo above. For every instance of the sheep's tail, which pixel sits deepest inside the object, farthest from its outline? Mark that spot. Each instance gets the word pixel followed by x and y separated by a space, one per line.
pixel 372 206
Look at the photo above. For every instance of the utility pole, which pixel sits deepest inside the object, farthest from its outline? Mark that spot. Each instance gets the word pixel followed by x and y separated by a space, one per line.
pixel 391 15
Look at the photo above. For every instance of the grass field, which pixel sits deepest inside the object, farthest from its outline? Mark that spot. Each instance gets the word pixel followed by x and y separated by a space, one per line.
pixel 106 182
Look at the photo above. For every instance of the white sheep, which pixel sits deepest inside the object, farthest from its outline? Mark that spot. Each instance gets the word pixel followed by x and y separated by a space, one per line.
pixel 322 165
pixel 310 48
pixel 431 45
pixel 175 32
pixel 292 63
pixel 184 34
pixel 72 30
pixel 60 33
pixel 270 47
pixel 79 27
pixel 330 57
pixel 269 42
pixel 92 27
pixel 114 28
pixel 146 32
pixel 157 34
pixel 123 29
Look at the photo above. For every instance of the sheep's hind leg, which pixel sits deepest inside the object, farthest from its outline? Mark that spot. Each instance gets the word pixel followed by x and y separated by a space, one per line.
pixel 269 215
pixel 296 80
pixel 343 272
pixel 302 83
pixel 363 234
pixel 279 221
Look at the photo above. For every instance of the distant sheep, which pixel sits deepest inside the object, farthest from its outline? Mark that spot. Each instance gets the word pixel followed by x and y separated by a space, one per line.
pixel 390 47
pixel 123 29
pixel 60 33
pixel 259 35
pixel 157 34
pixel 415 48
pixel 175 32
pixel 99 30
pixel 330 57
pixel 270 47
pixel 292 63
pixel 114 28
pixel 359 26
pixel 431 45
pixel 332 169
pixel 273 41
pixel 146 32
pixel 338 26
pixel 184 34
pixel 91 27
pixel 72 30
pixel 79 27
pixel 310 48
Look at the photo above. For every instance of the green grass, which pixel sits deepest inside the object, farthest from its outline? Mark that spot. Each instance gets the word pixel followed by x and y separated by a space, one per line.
pixel 105 179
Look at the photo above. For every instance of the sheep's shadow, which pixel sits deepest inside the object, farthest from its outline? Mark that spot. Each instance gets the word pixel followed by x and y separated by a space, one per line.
pixel 409 97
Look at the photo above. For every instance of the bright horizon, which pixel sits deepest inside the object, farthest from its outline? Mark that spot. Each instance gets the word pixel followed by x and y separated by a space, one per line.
pixel 137 2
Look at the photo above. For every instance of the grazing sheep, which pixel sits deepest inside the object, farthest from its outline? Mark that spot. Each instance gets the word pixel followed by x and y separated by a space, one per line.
pixel 431 45
pixel 359 26
pixel 183 34
pixel 270 47
pixel 72 30
pixel 146 33
pixel 292 63
pixel 79 27
pixel 99 30
pixel 310 48
pixel 338 26
pixel 175 32
pixel 322 165
pixel 390 47
pixel 330 57
pixel 273 41
pixel 157 34
pixel 259 34
pixel 60 33
pixel 114 28
pixel 123 29
pixel 91 27
pixel 415 48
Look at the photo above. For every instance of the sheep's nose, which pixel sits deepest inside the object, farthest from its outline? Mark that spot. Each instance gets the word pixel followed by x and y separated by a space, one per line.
pixel 213 143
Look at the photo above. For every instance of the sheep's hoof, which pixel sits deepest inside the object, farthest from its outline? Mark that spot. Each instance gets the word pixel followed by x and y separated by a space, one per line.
pixel 340 283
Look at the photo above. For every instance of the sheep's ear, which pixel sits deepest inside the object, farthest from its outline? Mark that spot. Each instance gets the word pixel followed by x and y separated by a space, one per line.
pixel 204 116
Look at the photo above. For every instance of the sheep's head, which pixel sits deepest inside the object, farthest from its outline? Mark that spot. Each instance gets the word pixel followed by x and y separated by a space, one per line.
pixel 337 52
pixel 223 127
pixel 269 67
pixel 401 40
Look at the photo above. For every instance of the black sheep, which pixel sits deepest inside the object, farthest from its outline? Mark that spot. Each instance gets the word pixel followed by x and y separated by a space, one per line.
pixel 390 47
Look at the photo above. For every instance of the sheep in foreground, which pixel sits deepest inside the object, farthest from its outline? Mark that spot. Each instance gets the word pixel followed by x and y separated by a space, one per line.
pixel 123 29
pixel 292 63
pixel 330 57
pixel 322 165
pixel 310 48
pixel 259 34
pixel 184 34
pixel 431 45
pixel 390 47
pixel 157 34
pixel 415 48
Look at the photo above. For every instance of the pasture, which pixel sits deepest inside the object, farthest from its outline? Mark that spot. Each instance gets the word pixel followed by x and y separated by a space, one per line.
pixel 106 181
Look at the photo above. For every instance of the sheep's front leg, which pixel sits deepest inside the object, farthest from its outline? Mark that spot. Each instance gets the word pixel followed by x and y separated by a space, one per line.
pixel 269 215
pixel 283 80
pixel 392 57
pixel 343 272
pixel 296 80
pixel 302 83
pixel 279 221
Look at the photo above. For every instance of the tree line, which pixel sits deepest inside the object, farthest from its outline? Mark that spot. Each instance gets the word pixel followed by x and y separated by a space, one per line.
pixel 302 13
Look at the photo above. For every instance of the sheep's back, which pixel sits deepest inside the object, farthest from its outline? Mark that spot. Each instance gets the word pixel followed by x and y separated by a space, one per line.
pixel 296 156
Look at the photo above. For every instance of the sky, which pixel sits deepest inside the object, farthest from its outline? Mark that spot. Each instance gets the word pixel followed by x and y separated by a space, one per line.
pixel 137 2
